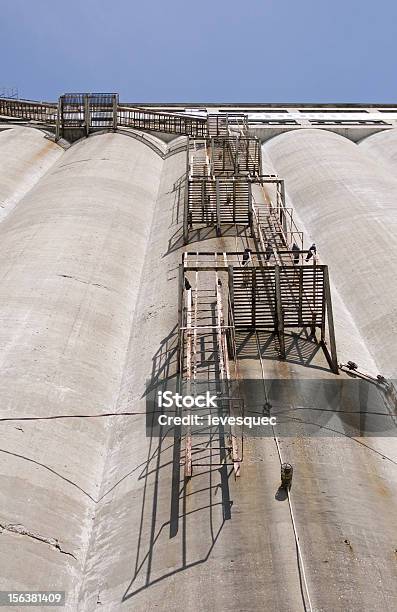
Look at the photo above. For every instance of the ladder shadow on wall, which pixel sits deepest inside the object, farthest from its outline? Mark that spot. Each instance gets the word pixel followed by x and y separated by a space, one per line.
pixel 143 577
pixel 164 361
pixel 187 504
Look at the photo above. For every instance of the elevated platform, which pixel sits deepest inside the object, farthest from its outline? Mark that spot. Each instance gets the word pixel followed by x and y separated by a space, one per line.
pixel 256 202
pixel 272 297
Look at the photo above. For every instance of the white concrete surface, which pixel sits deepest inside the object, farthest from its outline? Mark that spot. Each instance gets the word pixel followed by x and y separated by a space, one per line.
pixel 25 155
pixel 383 147
pixel 88 312
pixel 71 256
pixel 144 556
pixel 348 204
pixel 348 339
pixel 160 544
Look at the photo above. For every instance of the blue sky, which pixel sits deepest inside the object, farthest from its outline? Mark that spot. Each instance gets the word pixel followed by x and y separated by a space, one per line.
pixel 197 51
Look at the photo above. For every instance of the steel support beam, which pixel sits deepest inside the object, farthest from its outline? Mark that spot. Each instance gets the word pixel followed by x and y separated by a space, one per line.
pixel 186 211
pixel 331 330
pixel 279 312
pixel 218 209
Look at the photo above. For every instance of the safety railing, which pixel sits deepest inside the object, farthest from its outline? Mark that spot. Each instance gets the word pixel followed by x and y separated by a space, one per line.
pixel 30 111
pixel 143 119
pixel 98 110
pixel 203 260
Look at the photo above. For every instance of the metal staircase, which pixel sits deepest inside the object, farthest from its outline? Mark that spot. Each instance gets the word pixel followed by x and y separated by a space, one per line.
pixel 253 298
pixel 223 297
pixel 220 173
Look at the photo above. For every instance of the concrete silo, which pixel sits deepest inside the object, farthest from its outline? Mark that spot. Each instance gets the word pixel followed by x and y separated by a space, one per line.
pixel 347 202
pixel 71 259
pixel 26 154
pixel 383 147
pixel 92 502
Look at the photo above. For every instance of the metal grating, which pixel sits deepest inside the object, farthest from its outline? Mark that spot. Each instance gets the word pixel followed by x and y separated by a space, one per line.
pixel 301 293
pixel 217 201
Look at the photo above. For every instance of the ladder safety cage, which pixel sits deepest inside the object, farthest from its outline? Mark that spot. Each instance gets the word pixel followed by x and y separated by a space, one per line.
pixel 205 355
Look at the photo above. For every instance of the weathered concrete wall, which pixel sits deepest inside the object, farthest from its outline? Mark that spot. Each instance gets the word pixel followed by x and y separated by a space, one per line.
pixel 348 205
pixel 348 339
pixel 25 155
pixel 71 256
pixel 383 147
pixel 122 519
pixel 81 329
pixel 157 542
pixel 215 543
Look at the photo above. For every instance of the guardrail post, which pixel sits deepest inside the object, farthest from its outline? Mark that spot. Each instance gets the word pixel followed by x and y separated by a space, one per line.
pixel 186 211
pixel 58 119
pixel 279 312
pixel 230 318
pixel 115 106
pixel 218 208
pixel 250 209
pixel 87 114
pixel 181 278
pixel 253 295
pixel 234 200
pixel 331 330
pixel 282 192
pixel 300 303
